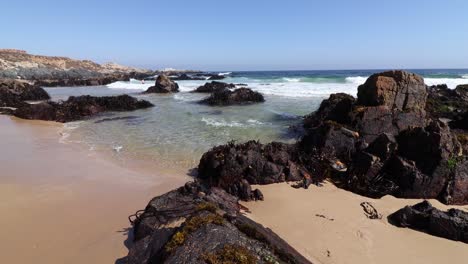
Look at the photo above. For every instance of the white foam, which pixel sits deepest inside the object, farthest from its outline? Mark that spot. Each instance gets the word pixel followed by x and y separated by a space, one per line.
pixel 291 79
pixel 224 73
pixel 451 82
pixel 131 85
pixel 221 122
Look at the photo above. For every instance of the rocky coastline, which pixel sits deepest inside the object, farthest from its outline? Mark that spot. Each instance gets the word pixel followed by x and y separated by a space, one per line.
pixel 398 137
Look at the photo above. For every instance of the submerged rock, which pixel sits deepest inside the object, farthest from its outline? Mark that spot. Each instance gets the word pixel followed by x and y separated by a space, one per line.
pixel 236 97
pixel 76 108
pixel 13 93
pixel 163 85
pixel 213 87
pixel 198 224
pixel 452 224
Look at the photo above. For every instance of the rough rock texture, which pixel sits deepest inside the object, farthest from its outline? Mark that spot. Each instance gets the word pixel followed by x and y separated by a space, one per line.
pixel 394 89
pixel 234 167
pixel 163 85
pixel 443 102
pixel 238 96
pixel 213 87
pixel 452 224
pixel 197 224
pixel 14 92
pixel 76 108
pixel 387 144
pixel 61 71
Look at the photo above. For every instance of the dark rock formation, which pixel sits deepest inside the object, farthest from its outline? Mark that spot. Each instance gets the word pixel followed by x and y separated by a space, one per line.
pixel 185 77
pixel 80 81
pixel 443 102
pixel 216 77
pixel 163 85
pixel 395 89
pixel 236 97
pixel 197 224
pixel 76 108
pixel 13 93
pixel 213 87
pixel 452 224
pixel 234 167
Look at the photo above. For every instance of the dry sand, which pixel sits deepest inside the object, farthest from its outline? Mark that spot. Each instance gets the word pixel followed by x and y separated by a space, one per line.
pixel 350 237
pixel 60 203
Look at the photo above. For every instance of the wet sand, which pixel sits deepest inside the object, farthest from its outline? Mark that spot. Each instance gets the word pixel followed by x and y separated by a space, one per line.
pixel 61 203
pixel 350 237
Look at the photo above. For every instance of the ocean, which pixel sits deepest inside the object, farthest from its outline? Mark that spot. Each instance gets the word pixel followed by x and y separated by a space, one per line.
pixel 178 130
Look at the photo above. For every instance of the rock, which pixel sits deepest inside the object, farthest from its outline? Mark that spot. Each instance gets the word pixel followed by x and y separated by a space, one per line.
pixel 452 224
pixel 395 89
pixel 232 166
pixel 337 108
pixel 181 227
pixel 185 77
pixel 450 104
pixel 163 85
pixel 216 77
pixel 419 164
pixel 213 87
pixel 236 97
pixel 77 108
pixel 14 92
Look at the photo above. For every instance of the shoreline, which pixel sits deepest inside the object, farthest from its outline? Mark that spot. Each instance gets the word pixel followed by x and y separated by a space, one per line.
pixel 327 225
pixel 67 206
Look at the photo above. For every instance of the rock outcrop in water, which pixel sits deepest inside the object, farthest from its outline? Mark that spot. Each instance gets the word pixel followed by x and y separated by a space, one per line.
pixel 382 143
pixel 198 224
pixel 237 97
pixel 163 85
pixel 77 108
pixel 452 224
pixel 213 87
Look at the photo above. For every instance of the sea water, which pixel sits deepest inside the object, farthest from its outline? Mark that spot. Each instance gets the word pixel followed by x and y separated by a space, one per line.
pixel 178 130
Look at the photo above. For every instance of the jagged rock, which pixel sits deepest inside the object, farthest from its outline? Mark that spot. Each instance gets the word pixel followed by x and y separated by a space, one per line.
pixel 452 224
pixel 216 77
pixel 395 89
pixel 14 92
pixel 183 227
pixel 447 103
pixel 232 166
pixel 76 108
pixel 238 96
pixel 185 77
pixel 83 81
pixel 371 122
pixel 163 85
pixel 213 87
pixel 419 167
pixel 337 107
pixel 331 139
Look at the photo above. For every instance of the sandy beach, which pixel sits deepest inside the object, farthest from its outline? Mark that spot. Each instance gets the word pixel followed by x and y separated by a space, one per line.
pixel 63 204
pixel 327 225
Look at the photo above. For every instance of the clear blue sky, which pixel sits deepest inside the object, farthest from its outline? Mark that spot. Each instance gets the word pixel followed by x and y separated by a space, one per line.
pixel 243 35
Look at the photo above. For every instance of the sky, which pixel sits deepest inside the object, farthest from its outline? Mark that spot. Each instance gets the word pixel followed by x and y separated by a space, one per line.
pixel 243 35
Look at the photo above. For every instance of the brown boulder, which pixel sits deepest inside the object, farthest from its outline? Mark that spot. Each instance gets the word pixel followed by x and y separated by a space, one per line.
pixel 395 89
pixel 163 85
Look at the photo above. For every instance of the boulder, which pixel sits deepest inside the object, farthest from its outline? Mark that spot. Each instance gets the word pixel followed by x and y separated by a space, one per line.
pixel 233 166
pixel 337 108
pixel 237 97
pixel 452 224
pixel 395 89
pixel 198 224
pixel 163 85
pixel 14 92
pixel 213 87
pixel 77 108
pixel 448 103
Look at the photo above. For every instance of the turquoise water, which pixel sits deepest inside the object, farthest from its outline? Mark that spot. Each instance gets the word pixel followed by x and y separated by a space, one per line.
pixel 177 131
